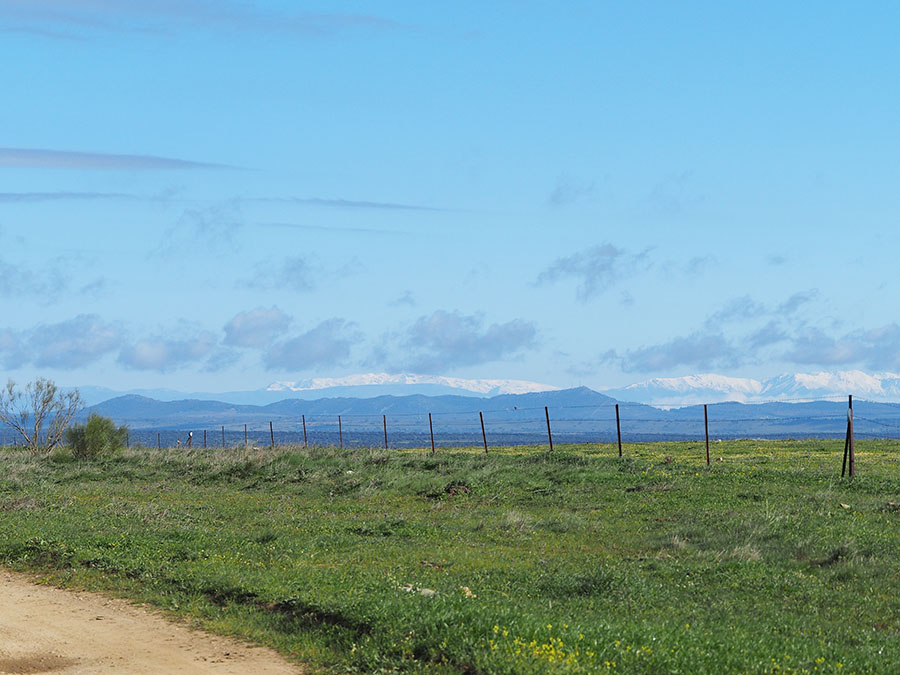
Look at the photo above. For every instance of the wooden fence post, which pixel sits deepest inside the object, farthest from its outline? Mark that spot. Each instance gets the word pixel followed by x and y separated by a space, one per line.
pixel 271 434
pixel 223 436
pixel 245 434
pixel 158 442
pixel 340 433
pixel 304 431
pixel 204 439
pixel 384 419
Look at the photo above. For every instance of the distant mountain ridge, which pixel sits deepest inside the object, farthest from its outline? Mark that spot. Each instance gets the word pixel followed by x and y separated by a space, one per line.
pixel 366 385
pixel 141 411
pixel 665 392
pixel 575 415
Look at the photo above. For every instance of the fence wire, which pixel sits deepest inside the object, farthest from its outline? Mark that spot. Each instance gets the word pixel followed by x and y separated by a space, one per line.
pixel 520 426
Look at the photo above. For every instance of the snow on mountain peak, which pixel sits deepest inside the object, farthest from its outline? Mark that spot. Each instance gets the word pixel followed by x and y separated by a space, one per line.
pixel 845 381
pixel 370 379
pixel 711 381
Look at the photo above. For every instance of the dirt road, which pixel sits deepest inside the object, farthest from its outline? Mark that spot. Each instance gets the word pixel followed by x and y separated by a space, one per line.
pixel 48 630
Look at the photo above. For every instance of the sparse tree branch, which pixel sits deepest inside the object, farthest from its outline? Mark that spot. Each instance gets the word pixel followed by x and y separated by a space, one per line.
pixel 40 406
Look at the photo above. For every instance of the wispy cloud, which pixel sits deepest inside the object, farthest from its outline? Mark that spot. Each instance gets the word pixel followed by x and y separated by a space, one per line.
pixel 672 196
pixel 294 273
pixel 739 332
pixel 213 227
pixel 698 350
pixel 63 18
pixel 347 203
pixel 34 158
pixel 221 359
pixel 406 299
pixel 569 190
pixel 874 348
pixel 335 229
pixel 16 197
pixel 46 285
pixel 745 308
pixel 699 264
pixel 444 340
pixel 596 270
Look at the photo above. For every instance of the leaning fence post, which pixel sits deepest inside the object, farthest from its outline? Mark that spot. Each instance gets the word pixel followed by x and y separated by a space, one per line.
pixel 848 441
pixel 706 428
pixel 483 436
pixel 549 435
pixel 384 419
pixel 431 430
pixel 618 430
pixel 304 431
pixel 271 434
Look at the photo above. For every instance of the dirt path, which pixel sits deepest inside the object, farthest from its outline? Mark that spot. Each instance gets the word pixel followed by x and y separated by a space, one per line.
pixel 48 630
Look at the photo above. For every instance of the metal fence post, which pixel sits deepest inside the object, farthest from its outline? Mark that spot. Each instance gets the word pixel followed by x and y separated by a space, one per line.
pixel 618 430
pixel 483 435
pixel 431 431
pixel 549 435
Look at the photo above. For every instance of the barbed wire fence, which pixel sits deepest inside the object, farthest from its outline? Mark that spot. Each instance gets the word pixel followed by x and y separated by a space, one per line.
pixel 617 423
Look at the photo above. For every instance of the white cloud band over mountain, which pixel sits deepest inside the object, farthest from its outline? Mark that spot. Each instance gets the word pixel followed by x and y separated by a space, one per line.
pixel 713 388
pixel 486 387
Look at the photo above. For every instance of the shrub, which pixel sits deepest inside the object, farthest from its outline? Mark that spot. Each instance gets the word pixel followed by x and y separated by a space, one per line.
pixel 98 437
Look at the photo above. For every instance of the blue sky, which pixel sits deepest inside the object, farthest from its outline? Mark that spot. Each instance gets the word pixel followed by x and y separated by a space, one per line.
pixel 213 195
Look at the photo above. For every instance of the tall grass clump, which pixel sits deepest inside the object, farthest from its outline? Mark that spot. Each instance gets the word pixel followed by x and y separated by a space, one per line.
pixel 98 437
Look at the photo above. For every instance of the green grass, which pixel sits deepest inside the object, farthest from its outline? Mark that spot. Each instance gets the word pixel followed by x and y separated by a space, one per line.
pixel 575 561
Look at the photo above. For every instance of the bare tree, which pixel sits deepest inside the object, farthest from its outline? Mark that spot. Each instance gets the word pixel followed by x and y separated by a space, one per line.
pixel 41 403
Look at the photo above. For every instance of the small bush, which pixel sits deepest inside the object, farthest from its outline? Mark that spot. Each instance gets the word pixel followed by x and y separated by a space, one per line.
pixel 98 437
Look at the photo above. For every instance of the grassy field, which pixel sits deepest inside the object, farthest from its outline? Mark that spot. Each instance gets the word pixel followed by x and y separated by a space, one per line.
pixel 519 561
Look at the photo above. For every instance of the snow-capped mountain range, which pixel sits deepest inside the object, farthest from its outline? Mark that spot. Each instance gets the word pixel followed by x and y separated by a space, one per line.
pixel 712 388
pixel 482 387
pixel 664 392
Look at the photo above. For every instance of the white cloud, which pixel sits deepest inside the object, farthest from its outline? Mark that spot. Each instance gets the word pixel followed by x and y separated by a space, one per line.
pixel 445 340
pixel 164 354
pixel 327 344
pixel 256 327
